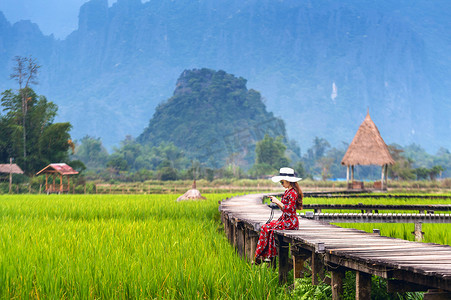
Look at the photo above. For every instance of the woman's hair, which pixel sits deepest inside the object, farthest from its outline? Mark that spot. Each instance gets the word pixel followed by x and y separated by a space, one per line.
pixel 297 188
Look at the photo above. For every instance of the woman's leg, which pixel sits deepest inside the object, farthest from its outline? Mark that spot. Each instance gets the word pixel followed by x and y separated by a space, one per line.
pixel 266 240
pixel 262 241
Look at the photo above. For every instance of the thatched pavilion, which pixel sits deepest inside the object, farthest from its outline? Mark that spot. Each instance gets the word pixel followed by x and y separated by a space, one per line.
pixel 10 169
pixel 367 148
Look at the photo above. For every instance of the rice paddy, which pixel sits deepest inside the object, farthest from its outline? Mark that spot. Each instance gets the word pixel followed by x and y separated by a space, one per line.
pixel 434 233
pixel 140 246
pixel 121 247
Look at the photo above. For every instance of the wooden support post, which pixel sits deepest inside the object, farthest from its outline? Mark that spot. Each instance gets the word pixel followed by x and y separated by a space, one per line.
pixel 283 260
pixel 230 231
pixel 337 277
pixel 247 245
pixel 10 175
pixel 240 237
pixel 234 234
pixel 382 177
pixel 254 241
pixel 386 175
pixel 226 227
pixel 362 286
pixel 317 269
pixel 250 244
pixel 347 176
pixel 299 256
pixel 418 232
pixel 298 266
pixel 352 174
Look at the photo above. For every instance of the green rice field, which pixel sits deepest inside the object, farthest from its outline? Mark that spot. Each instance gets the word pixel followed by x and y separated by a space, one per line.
pixel 140 247
pixel 106 247
pixel 434 233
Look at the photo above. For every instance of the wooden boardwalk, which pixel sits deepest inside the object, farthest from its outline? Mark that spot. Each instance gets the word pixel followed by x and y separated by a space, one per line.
pixel 409 266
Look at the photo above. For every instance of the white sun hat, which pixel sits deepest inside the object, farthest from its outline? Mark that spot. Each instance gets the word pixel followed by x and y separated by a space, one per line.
pixel 286 174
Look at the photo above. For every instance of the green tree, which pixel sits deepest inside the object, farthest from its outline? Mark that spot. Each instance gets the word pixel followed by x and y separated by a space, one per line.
pixel 167 173
pixel 91 152
pixel 53 145
pixel 270 156
pixel 25 73
pixel 422 173
pixel 117 162
pixel 325 164
pixel 435 171
pixel 46 141
pixel 402 169
pixel 314 154
pixel 300 170
pixel 320 147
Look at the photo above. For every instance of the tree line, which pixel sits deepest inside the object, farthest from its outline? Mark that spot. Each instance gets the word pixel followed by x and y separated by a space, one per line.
pixel 135 162
pixel 29 135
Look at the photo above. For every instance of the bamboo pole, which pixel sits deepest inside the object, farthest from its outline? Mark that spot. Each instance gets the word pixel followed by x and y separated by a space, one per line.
pixel 10 174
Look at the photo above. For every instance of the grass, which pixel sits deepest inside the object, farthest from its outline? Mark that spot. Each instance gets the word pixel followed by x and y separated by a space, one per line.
pixel 122 247
pixel 439 233
pixel 433 233
pixel 141 246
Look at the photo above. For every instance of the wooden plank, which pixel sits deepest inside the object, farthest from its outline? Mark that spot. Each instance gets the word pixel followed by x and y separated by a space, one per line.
pixel 445 267
pixel 407 256
pixel 391 248
pixel 329 233
pixel 341 240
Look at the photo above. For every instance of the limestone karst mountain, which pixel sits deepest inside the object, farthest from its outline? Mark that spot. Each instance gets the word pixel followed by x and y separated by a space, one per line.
pixel 110 74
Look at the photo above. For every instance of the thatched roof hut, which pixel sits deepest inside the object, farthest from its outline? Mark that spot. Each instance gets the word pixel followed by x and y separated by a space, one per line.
pixel 368 148
pixel 10 169
pixel 192 194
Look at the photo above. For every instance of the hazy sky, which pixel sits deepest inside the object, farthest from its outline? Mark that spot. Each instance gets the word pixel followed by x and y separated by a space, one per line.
pixel 59 17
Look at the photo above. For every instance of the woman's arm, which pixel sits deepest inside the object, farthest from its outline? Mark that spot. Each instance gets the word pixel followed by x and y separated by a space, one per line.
pixel 277 201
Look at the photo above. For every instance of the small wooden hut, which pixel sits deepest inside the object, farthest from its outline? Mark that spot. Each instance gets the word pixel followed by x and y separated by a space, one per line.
pixel 192 194
pixel 10 169
pixel 367 148
pixel 60 170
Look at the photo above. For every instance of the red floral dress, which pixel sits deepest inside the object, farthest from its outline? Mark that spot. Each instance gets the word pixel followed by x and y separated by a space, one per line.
pixel 266 246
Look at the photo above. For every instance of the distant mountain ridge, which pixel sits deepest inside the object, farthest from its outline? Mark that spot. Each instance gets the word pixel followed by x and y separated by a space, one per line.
pixel 391 57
